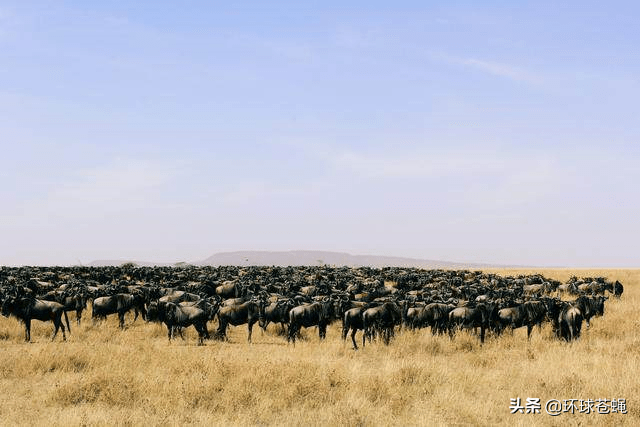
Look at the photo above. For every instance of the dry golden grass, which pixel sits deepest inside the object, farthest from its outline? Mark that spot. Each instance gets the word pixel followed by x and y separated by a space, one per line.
pixel 104 376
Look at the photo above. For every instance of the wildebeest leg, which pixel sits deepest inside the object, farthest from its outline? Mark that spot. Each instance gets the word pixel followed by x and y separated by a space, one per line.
pixel 57 323
pixel 353 338
pixel 78 316
pixel 222 328
pixel 67 320
pixel 250 328
pixel 27 330
pixel 529 329
pixel 292 333
pixel 322 331
pixel 205 330
pixel 64 337
pixel 121 317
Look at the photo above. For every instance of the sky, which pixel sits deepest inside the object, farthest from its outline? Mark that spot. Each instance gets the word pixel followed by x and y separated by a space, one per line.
pixel 168 131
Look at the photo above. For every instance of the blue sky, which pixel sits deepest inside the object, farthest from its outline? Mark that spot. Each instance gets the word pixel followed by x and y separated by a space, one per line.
pixel 168 131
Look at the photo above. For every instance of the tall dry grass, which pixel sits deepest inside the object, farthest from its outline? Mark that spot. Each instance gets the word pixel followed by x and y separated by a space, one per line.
pixel 104 376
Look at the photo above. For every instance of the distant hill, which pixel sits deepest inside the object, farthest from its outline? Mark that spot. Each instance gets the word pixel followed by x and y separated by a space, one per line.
pixel 115 262
pixel 306 258
pixel 296 258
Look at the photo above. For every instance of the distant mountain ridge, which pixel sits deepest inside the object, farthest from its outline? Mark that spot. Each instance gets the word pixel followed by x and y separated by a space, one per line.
pixel 304 258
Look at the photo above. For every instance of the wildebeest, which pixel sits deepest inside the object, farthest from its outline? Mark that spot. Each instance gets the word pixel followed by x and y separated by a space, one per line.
pixel 76 302
pixel 319 314
pixel 617 289
pixel 247 312
pixel 527 314
pixel 590 307
pixel 28 308
pixel 276 312
pixel 434 315
pixel 182 316
pixel 568 322
pixel 381 319
pixel 471 317
pixel 352 320
pixel 120 304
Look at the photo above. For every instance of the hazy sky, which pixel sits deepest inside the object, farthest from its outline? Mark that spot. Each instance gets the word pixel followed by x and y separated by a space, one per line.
pixel 168 131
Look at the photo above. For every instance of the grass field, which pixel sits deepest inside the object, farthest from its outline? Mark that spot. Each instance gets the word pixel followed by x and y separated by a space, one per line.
pixel 104 376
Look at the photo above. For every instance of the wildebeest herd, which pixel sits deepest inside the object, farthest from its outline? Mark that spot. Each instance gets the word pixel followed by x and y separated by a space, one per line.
pixel 378 302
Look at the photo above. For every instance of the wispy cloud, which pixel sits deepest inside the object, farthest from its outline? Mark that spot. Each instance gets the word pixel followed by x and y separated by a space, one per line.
pixel 495 68
pixel 502 70
pixel 419 163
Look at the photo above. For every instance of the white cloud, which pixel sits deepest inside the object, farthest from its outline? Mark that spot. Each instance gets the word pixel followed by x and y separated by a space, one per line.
pixel 502 70
pixel 499 69
pixel 421 163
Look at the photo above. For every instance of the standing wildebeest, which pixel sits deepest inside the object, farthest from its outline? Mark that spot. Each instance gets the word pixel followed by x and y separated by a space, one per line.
pixel 434 315
pixel 590 307
pixel 568 322
pixel 276 312
pixel 316 314
pixel 618 289
pixel 528 314
pixel 119 303
pixel 247 312
pixel 352 320
pixel 381 319
pixel 182 316
pixel 26 309
pixel 76 302
pixel 468 317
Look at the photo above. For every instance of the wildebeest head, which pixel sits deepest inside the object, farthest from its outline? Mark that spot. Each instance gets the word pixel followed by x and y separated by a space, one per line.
pixel 599 305
pixel 7 304
pixel 327 310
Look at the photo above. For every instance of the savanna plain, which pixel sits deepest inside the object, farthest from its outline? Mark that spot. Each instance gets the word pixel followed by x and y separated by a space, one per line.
pixel 106 376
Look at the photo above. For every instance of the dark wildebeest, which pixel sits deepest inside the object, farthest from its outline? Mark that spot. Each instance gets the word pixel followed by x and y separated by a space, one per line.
pixel 76 302
pixel 247 312
pixel 528 314
pixel 352 320
pixel 434 315
pixel 471 317
pixel 618 289
pixel 319 314
pixel 182 316
pixel 568 322
pixel 590 307
pixel 28 308
pixel 381 319
pixel 276 312
pixel 120 304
